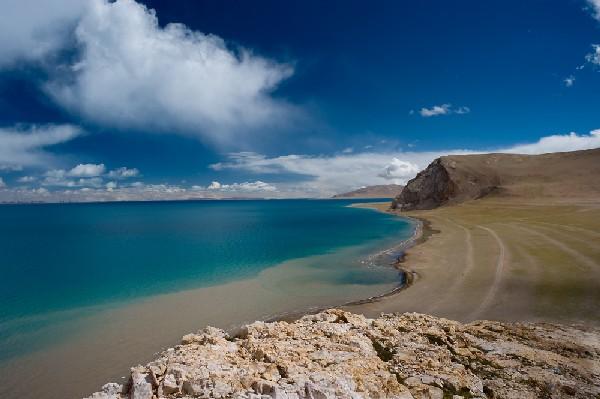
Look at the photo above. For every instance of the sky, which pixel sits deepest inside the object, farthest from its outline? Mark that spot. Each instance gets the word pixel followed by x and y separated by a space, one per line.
pixel 162 99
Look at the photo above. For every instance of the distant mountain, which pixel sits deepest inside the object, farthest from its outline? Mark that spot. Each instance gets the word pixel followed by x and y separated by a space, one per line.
pixel 380 191
pixel 459 178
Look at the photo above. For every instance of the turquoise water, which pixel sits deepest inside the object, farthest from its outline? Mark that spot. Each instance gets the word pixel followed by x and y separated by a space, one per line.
pixel 59 257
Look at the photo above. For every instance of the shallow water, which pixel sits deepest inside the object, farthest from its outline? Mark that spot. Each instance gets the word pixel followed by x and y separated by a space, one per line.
pixel 90 290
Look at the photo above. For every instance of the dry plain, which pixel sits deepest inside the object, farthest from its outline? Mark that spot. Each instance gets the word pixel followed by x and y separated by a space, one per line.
pixel 504 259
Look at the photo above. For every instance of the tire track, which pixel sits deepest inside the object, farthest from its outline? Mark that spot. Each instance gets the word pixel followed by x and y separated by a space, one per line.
pixel 469 265
pixel 470 258
pixel 590 263
pixel 570 228
pixel 493 290
pixel 585 241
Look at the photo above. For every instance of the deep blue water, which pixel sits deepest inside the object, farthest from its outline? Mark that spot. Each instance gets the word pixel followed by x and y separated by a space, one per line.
pixel 65 256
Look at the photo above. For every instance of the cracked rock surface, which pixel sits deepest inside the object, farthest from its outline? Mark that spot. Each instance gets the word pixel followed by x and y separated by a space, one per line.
pixel 337 354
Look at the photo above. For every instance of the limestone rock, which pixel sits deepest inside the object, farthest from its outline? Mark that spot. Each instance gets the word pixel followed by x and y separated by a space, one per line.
pixel 141 383
pixel 336 354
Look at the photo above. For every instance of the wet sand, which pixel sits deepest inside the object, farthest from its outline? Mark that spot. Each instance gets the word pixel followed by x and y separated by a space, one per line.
pixel 504 259
pixel 108 341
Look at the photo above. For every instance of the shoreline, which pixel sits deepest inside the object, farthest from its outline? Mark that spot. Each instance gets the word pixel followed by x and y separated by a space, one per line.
pixel 292 289
pixel 421 233
pixel 502 259
pixel 450 256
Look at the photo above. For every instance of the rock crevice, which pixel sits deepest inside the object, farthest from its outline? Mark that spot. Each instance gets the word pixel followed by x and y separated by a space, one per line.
pixel 336 354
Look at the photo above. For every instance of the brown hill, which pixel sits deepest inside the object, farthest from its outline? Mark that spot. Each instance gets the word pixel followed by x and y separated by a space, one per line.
pixel 458 178
pixel 380 191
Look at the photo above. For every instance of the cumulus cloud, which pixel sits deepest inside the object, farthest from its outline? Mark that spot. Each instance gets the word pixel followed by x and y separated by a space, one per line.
pixel 328 175
pixel 444 109
pixel 27 179
pixel 214 185
pixel 2 184
pixel 436 110
pixel 134 74
pixel 241 187
pixel 558 143
pixel 11 168
pixel 595 7
pixel 398 170
pixel 87 170
pixel 138 191
pixel 123 173
pixel 81 178
pixel 569 81
pixel 25 145
pixel 31 30
pixel 86 175
pixel 594 56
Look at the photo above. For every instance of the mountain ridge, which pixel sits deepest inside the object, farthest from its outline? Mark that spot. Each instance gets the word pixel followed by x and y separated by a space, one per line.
pixel 375 191
pixel 458 178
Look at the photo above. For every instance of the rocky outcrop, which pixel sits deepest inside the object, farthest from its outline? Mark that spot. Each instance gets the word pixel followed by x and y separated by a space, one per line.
pixel 336 354
pixel 458 178
pixel 443 182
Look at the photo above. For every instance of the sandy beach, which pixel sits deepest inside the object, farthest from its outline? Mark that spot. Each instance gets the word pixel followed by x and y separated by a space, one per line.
pixel 500 259
pixel 101 344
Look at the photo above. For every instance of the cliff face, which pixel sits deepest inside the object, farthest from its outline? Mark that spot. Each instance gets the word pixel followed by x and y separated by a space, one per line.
pixel 429 189
pixel 335 354
pixel 446 181
pixel 458 178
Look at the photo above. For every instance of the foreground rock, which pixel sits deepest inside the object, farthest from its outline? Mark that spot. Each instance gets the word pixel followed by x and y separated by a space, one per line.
pixel 337 354
pixel 459 178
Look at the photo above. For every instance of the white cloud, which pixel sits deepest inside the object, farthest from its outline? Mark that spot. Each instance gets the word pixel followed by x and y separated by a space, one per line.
pixel 595 5
pixel 242 187
pixel 436 110
pixel 399 170
pixel 123 173
pixel 86 175
pixel 111 185
pixel 2 184
pixel 62 178
pixel 214 185
pixel 27 179
pixel 444 109
pixel 11 168
pixel 24 146
pixel 569 81
pixel 594 56
pixel 87 170
pixel 136 74
pixel 558 143
pixel 30 30
pixel 327 175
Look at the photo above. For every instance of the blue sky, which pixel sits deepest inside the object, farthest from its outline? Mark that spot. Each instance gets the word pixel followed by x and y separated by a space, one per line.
pixel 191 99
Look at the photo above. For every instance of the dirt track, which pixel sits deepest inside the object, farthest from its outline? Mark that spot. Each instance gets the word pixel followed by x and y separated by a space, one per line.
pixel 505 260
